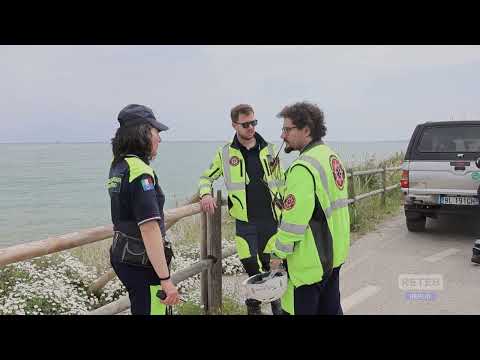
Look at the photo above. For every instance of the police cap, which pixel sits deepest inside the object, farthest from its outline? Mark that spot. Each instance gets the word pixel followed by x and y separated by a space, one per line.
pixel 135 114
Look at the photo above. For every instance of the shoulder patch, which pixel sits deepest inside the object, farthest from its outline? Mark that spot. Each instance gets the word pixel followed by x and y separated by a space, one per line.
pixel 338 171
pixel 113 184
pixel 234 161
pixel 147 184
pixel 289 202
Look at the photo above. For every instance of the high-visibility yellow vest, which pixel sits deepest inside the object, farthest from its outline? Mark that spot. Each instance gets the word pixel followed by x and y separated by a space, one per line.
pixel 229 163
pixel 314 232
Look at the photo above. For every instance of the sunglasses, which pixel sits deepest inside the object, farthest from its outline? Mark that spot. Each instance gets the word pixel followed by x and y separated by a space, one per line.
pixel 247 124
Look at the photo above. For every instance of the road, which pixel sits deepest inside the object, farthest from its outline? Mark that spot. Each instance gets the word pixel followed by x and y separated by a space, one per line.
pixel 436 274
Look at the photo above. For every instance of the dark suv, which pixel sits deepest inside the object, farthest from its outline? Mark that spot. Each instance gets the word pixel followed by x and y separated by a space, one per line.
pixel 441 171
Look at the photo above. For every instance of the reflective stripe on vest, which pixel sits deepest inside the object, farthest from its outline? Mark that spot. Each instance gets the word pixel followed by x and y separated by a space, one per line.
pixel 231 186
pixel 287 248
pixel 293 228
pixel 337 204
pixel 207 186
pixel 323 177
pixel 274 182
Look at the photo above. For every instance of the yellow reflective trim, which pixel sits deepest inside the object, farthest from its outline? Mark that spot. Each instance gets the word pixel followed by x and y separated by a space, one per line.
pixel 270 244
pixel 242 248
pixel 137 168
pixel 156 307
pixel 260 263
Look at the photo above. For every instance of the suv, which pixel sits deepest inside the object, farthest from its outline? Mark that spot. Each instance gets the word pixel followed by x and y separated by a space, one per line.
pixel 441 171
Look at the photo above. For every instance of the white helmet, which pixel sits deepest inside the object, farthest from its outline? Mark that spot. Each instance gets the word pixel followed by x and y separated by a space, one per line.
pixel 267 286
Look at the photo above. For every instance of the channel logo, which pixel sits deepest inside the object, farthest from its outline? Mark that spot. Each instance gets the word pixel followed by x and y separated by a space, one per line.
pixel 420 282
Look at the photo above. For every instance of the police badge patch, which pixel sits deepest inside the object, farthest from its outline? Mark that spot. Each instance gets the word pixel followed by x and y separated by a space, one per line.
pixel 338 171
pixel 289 202
pixel 234 161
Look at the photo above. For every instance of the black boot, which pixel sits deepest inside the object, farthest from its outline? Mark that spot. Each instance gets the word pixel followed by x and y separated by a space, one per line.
pixel 276 307
pixel 253 307
pixel 476 252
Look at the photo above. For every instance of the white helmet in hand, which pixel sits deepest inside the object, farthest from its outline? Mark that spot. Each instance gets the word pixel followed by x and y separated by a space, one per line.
pixel 267 286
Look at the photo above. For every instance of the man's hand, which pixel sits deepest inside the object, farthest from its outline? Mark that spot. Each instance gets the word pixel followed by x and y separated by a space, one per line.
pixel 208 204
pixel 275 264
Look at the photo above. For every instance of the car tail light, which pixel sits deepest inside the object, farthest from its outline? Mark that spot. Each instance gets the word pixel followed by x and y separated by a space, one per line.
pixel 404 179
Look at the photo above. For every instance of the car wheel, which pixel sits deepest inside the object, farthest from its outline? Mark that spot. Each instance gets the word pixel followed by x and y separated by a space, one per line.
pixel 416 225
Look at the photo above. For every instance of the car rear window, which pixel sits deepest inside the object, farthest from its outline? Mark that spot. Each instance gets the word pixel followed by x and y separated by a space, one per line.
pixel 445 139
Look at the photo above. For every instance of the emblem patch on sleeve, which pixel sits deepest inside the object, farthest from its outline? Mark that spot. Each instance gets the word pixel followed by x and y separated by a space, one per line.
pixel 289 202
pixel 147 184
pixel 338 171
pixel 234 161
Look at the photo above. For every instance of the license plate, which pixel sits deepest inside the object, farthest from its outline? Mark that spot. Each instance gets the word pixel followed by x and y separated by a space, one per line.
pixel 458 200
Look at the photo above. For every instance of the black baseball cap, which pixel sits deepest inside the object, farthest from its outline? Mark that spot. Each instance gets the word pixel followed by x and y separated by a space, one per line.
pixel 135 114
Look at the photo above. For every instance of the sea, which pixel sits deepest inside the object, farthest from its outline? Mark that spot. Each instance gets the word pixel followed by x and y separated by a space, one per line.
pixel 54 189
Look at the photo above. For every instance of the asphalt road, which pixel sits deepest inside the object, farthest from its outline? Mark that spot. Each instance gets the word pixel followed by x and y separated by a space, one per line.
pixel 394 271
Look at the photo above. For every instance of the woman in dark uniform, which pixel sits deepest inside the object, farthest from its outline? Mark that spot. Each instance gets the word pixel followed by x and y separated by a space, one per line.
pixel 139 253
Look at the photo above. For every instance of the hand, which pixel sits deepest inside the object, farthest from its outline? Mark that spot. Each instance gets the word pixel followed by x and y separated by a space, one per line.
pixel 171 292
pixel 208 204
pixel 275 264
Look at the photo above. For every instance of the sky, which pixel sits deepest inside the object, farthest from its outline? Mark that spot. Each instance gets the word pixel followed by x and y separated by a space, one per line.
pixel 368 93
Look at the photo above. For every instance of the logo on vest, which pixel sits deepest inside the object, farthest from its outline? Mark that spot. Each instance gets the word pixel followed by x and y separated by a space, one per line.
pixel 338 171
pixel 289 202
pixel 234 161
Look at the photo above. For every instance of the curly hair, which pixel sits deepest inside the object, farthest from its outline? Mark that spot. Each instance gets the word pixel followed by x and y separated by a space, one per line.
pixel 132 140
pixel 306 114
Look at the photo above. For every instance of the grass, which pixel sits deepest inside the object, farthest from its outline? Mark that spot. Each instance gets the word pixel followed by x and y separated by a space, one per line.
pixel 229 307
pixel 95 254
pixel 367 213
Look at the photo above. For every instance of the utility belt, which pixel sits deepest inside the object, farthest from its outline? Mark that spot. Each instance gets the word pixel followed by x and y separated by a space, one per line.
pixel 131 250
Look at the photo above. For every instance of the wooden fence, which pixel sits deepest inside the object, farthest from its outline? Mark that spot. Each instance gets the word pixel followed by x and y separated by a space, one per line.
pixel 209 265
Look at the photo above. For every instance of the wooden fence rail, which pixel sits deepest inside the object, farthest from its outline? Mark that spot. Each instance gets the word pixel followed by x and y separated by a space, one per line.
pixel 123 303
pixel 209 265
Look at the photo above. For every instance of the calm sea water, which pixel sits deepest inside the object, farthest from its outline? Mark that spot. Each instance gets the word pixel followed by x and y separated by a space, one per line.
pixel 53 189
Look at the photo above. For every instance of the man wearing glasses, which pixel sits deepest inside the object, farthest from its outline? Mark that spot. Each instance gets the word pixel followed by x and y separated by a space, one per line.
pixel 254 180
pixel 314 234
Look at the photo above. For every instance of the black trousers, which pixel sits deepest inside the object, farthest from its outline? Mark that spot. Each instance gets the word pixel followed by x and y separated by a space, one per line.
pixel 142 285
pixel 322 298
pixel 256 233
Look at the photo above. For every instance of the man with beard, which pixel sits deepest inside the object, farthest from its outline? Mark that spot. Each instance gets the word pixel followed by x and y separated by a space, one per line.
pixel 314 234
pixel 253 179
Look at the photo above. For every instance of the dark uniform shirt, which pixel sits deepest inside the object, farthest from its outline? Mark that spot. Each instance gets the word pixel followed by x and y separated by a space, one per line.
pixel 134 203
pixel 258 196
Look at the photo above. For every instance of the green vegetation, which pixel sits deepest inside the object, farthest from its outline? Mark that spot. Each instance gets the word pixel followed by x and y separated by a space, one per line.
pixel 229 307
pixel 367 213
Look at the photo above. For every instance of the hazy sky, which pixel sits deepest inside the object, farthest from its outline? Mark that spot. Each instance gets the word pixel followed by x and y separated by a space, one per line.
pixel 74 93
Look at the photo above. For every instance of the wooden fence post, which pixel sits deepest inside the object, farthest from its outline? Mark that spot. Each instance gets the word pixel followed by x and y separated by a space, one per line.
pixel 214 248
pixel 384 184
pixel 203 255
pixel 351 195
